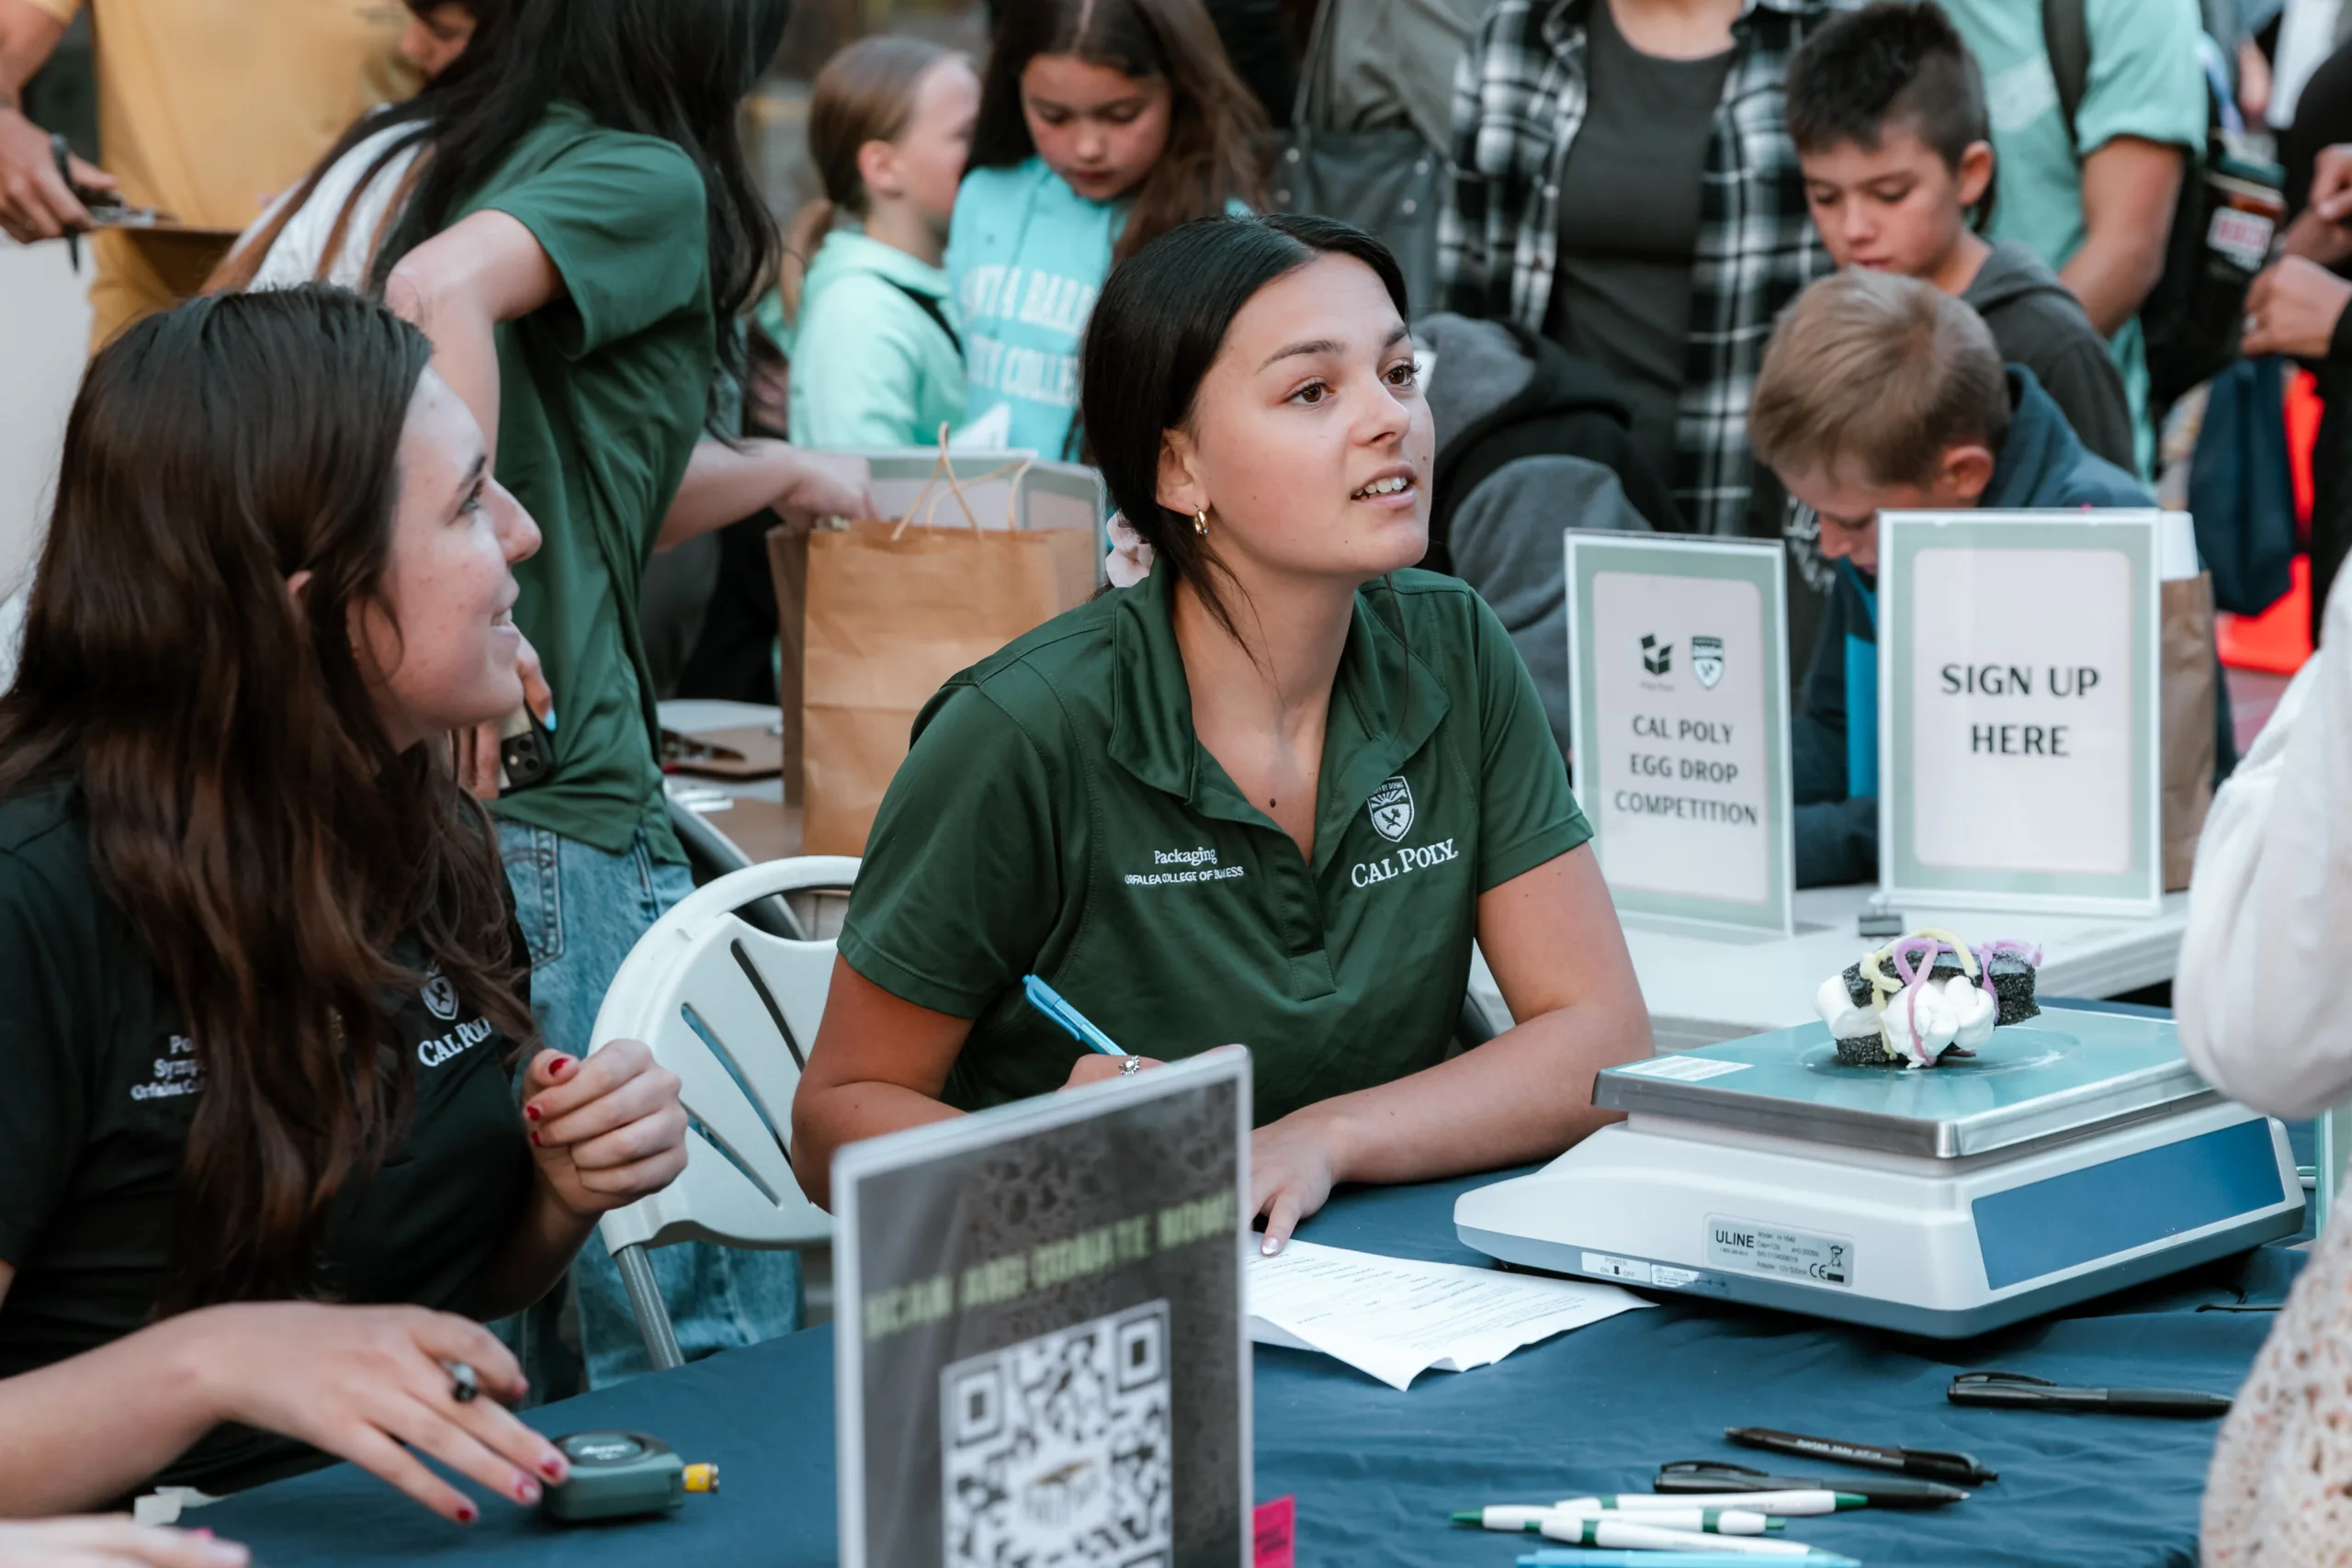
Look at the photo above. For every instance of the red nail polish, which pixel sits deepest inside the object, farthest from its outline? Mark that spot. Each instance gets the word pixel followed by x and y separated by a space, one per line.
pixel 560 1066
pixel 532 1112
pixel 526 1491
pixel 535 1138
pixel 552 1469
pixel 468 1513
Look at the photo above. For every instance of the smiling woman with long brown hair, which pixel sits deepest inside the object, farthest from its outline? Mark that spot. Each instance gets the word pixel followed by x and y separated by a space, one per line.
pixel 266 1001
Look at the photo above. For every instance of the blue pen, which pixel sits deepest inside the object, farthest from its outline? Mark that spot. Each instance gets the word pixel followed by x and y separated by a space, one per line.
pixel 1048 1000
pixel 1587 1557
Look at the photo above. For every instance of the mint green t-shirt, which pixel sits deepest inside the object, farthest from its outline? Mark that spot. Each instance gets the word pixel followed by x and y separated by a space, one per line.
pixel 2145 80
pixel 600 400
pixel 1026 255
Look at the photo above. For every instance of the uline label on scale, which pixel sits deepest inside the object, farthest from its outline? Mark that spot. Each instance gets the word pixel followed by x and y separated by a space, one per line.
pixel 1762 1249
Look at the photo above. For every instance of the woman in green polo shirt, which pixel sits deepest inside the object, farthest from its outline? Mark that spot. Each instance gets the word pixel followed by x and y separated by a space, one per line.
pixel 579 235
pixel 1269 794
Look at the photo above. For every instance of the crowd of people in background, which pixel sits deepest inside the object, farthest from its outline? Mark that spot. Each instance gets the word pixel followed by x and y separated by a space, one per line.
pixel 491 341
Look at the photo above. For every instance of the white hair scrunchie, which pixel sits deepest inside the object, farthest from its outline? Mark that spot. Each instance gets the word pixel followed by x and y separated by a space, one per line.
pixel 1129 561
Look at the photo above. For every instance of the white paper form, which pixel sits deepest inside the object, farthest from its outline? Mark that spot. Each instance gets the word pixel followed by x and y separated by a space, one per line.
pixel 1397 1319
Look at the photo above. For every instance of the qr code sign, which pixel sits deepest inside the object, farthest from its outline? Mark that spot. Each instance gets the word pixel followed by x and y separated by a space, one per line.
pixel 1055 1451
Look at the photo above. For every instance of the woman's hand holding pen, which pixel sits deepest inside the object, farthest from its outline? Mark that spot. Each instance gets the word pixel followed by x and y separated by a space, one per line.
pixel 1093 1068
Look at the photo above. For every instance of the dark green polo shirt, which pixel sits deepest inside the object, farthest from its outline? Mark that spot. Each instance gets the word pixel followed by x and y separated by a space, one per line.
pixel 1058 814
pixel 600 397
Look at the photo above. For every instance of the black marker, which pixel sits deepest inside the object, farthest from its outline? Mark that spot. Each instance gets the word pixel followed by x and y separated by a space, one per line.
pixel 1937 1464
pixel 2016 1392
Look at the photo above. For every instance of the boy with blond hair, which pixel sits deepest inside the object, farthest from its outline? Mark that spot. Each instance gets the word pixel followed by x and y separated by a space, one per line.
pixel 1880 392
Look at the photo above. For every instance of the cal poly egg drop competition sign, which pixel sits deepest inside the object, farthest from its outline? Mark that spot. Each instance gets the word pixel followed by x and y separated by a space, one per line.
pixel 1678 651
pixel 2018 722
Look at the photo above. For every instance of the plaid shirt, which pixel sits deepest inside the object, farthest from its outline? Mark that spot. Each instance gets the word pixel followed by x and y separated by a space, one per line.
pixel 1518 100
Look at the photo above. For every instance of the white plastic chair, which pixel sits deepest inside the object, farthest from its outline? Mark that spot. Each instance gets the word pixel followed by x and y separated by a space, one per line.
pixel 733 1012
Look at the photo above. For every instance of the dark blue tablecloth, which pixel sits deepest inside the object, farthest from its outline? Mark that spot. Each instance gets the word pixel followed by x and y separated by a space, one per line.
pixel 1376 1471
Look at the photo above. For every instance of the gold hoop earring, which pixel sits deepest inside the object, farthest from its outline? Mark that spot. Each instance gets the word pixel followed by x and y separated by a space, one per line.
pixel 1201 521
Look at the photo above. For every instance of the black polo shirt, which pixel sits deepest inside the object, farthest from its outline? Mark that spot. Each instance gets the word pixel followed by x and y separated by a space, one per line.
pixel 102 1086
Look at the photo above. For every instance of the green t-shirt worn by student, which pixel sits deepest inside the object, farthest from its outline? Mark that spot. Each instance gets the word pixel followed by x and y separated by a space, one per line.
pixel 1058 815
pixel 601 399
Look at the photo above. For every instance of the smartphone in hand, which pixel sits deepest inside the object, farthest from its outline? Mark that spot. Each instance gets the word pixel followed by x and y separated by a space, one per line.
pixel 526 752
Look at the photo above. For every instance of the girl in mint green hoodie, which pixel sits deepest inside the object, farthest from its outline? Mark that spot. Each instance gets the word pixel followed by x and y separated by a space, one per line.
pixel 1103 125
pixel 878 359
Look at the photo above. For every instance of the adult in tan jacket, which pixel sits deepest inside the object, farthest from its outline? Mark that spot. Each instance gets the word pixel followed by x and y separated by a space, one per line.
pixel 204 110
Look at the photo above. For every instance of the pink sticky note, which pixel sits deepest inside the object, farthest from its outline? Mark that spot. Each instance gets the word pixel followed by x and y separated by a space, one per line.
pixel 1278 1533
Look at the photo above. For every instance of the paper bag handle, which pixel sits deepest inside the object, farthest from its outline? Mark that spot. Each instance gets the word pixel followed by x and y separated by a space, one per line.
pixel 945 469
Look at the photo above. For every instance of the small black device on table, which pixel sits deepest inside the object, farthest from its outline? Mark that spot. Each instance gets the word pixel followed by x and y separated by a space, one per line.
pixel 620 1475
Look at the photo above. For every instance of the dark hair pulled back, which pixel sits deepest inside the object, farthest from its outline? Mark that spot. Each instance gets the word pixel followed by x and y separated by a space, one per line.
pixel 1159 326
pixel 677 70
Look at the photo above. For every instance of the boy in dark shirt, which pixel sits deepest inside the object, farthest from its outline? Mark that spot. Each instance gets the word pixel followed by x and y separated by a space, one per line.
pixel 1886 108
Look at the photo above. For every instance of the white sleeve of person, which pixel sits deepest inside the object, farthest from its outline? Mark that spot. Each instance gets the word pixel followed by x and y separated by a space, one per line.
pixel 2262 988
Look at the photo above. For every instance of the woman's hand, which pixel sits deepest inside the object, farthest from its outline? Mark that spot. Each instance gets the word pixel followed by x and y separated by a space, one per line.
pixel 1095 1067
pixel 112 1542
pixel 1293 1166
pixel 369 1384
pixel 475 751
pixel 2292 309
pixel 606 1130
pixel 819 485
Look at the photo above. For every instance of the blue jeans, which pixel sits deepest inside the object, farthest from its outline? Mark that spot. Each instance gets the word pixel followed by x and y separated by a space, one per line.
pixel 581 910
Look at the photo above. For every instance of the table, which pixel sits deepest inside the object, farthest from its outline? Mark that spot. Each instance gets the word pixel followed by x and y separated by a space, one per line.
pixel 1702 989
pixel 755 816
pixel 1376 1471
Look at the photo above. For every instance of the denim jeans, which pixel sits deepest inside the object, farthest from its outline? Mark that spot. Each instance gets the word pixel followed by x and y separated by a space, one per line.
pixel 581 910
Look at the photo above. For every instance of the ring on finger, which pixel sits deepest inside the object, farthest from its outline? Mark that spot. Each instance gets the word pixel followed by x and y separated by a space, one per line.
pixel 1130 1066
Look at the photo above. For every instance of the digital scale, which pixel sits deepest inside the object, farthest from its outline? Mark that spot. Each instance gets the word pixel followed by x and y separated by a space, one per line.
pixel 2075 1154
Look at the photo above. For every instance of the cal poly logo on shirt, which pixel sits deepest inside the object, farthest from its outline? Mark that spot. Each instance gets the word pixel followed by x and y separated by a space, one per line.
pixel 1391 809
pixel 440 997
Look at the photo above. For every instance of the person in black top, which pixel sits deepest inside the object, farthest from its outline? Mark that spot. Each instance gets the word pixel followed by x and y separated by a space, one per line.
pixel 260 1159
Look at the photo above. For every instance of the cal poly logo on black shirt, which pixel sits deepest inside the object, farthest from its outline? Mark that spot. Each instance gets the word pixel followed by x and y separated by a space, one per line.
pixel 440 997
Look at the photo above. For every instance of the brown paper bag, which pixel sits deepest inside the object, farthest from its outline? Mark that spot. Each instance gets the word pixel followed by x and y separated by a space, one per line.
pixel 2188 700
pixel 789 564
pixel 893 610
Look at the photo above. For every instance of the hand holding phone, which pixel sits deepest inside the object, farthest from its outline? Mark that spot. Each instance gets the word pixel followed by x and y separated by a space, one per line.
pixel 515 751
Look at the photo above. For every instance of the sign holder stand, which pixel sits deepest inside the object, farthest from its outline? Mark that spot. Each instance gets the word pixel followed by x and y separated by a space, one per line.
pixel 2024 615
pixel 1679 697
